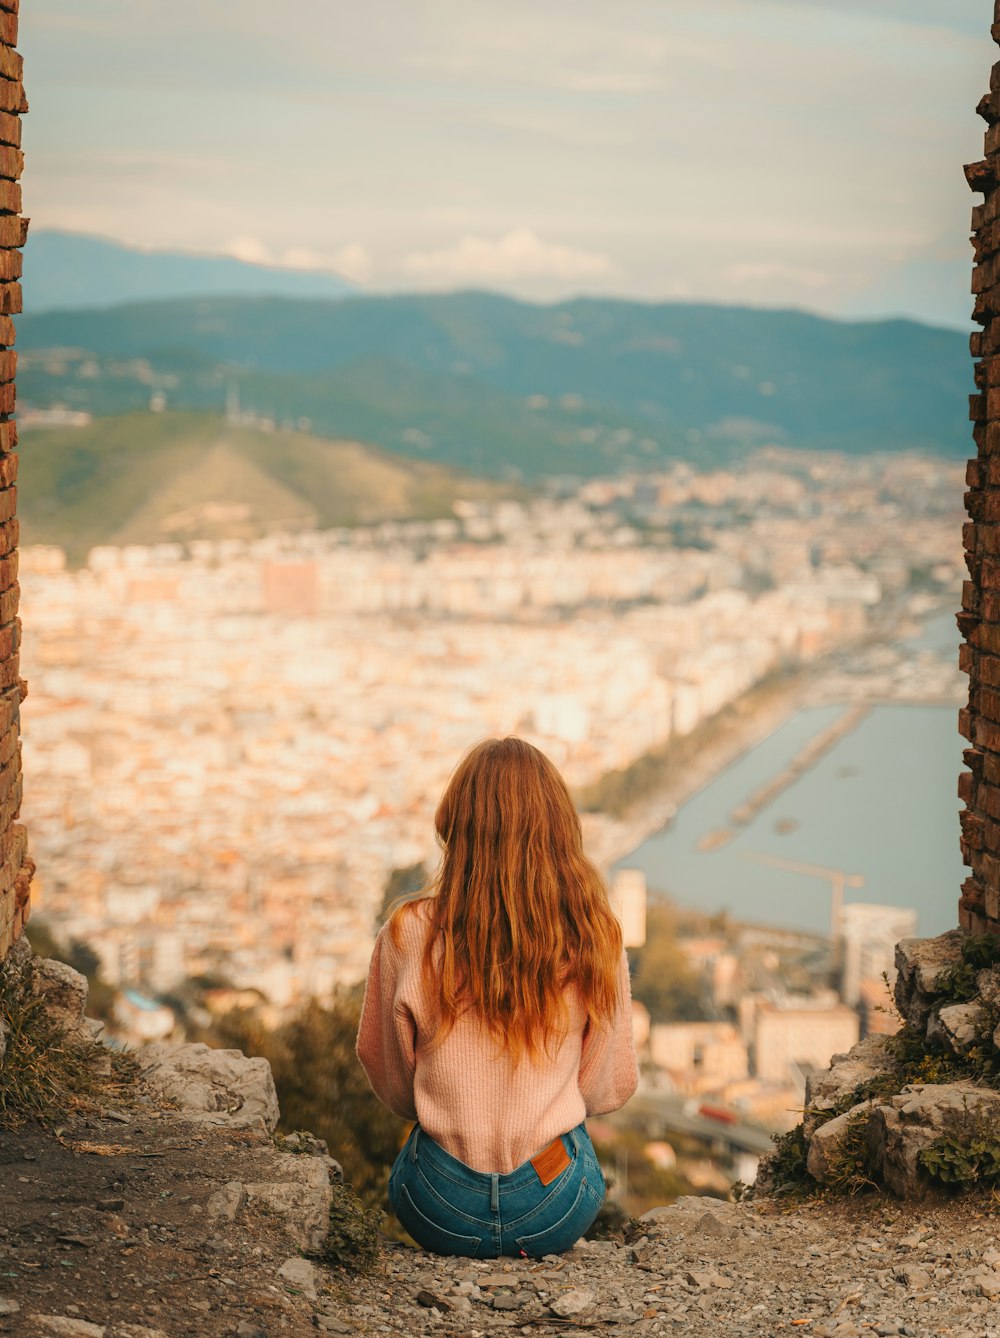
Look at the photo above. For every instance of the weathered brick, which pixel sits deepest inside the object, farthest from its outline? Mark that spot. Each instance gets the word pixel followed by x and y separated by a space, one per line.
pixel 13 232
pixel 8 397
pixel 965 658
pixel 980 175
pixel 8 35
pixel 987 704
pixel 965 724
pixel 969 625
pixel 971 823
pixel 10 298
pixel 12 165
pixel 9 744
pixel 8 565
pixel 10 533
pixel 8 605
pixel 11 64
pixel 971 593
pixel 988 799
pixel 975 474
pixel 972 893
pixel 12 95
pixel 966 786
pixel 10 196
pixel 978 408
pixel 965 919
pixel 8 435
pixel 8 506
pixel 8 335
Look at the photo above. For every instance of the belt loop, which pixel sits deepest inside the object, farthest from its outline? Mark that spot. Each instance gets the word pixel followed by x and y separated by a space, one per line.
pixel 494 1191
pixel 413 1142
pixel 573 1140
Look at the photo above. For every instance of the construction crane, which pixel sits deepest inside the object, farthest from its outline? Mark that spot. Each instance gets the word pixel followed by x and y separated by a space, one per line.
pixel 837 879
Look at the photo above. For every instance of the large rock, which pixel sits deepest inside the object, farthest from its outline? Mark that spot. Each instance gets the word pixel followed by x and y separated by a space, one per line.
pixel 901 1128
pixel 62 990
pixel 863 1063
pixel 958 1025
pixel 302 1197
pixel 922 966
pixel 829 1141
pixel 213 1086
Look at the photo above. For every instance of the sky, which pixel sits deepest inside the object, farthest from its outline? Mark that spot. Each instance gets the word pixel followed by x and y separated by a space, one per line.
pixel 803 153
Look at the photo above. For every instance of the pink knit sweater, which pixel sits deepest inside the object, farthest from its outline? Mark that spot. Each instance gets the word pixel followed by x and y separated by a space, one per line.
pixel 481 1108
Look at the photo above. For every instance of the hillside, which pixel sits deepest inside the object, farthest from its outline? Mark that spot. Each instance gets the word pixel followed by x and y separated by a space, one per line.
pixel 67 270
pixel 503 387
pixel 143 478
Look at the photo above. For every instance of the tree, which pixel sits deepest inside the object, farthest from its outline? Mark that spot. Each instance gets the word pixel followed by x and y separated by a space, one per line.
pixel 322 1087
pixel 664 979
pixel 405 882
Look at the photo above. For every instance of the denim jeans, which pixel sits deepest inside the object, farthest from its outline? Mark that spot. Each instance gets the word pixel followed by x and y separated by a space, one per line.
pixel 449 1208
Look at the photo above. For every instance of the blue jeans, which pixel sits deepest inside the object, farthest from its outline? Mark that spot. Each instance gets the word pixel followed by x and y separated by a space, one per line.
pixel 449 1208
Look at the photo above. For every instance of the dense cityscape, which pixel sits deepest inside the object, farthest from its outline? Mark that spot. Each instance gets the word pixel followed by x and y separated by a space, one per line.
pixel 232 744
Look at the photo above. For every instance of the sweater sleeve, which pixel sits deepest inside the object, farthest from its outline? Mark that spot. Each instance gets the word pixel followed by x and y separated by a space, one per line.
pixel 609 1073
pixel 387 1034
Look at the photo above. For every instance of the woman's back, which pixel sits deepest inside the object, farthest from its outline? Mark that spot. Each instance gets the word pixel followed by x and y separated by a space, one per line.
pixel 467 1091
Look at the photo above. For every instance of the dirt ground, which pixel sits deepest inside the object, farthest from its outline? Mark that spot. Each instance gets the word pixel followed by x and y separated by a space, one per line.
pixel 104 1220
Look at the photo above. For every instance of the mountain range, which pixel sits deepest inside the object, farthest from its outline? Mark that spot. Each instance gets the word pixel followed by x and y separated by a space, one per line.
pixel 67 271
pixel 508 389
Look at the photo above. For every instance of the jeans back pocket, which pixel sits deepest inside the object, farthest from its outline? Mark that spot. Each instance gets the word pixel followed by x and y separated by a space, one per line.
pixel 429 1234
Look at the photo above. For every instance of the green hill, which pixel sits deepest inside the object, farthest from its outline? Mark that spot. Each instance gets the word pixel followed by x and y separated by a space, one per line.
pixel 507 388
pixel 146 478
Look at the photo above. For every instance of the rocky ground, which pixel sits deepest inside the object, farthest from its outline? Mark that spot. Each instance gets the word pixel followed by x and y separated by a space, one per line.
pixel 178 1213
pixel 161 1228
pixel 704 1268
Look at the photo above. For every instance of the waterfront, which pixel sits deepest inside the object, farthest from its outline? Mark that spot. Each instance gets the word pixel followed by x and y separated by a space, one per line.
pixel 880 803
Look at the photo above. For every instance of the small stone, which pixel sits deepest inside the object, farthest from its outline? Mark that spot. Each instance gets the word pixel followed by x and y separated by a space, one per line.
pixel 432 1301
pixel 573 1302
pixel 247 1330
pixel 8 1307
pixel 701 1279
pixel 300 1274
pixel 989 1286
pixel 64 1326
pixel 110 1205
pixel 507 1301
pixel 227 1201
pixel 913 1276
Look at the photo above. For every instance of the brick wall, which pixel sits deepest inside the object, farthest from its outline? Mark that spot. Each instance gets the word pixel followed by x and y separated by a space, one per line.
pixel 15 866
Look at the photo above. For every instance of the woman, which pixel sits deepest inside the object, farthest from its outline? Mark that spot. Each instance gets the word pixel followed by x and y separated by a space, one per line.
pixel 497 1015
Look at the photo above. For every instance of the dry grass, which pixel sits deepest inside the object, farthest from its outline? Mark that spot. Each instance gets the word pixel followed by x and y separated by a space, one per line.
pixel 48 1074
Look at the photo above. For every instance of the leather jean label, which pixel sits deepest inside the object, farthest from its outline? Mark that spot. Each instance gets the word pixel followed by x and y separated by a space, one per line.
pixel 551 1161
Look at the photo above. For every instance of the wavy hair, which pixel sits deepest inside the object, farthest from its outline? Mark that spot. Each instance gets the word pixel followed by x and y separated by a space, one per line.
pixel 517 912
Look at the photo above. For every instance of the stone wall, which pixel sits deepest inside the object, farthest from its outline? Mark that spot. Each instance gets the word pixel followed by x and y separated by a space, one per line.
pixel 979 621
pixel 15 866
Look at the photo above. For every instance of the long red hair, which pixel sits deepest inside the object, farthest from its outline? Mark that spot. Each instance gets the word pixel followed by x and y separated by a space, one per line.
pixel 517 911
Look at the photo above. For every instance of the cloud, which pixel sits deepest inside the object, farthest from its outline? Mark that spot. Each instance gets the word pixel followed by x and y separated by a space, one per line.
pixel 518 254
pixel 350 262
pixel 773 271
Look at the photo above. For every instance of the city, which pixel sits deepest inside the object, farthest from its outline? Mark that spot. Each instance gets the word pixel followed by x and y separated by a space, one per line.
pixel 232 744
